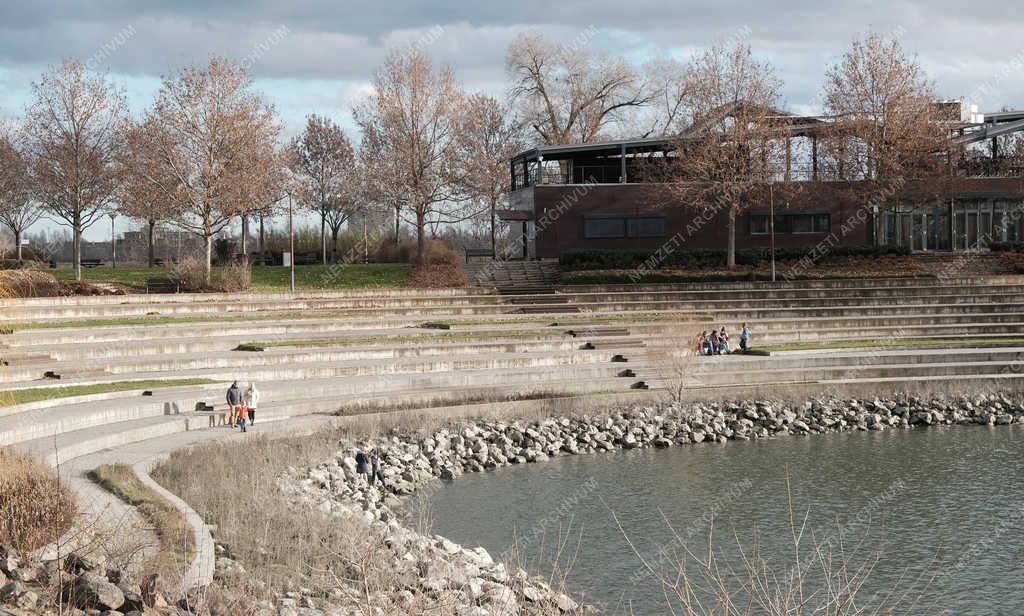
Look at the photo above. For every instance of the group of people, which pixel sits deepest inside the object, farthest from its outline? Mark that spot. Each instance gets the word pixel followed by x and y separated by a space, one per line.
pixel 368 467
pixel 242 405
pixel 717 342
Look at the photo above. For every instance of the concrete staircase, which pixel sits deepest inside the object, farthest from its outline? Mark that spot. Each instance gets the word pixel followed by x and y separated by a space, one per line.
pixel 514 277
pixel 370 351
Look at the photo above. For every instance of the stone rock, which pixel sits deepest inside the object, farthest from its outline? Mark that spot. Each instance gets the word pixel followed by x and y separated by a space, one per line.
pixel 88 592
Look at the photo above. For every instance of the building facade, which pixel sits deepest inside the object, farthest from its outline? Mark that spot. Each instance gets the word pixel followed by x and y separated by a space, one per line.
pixel 594 197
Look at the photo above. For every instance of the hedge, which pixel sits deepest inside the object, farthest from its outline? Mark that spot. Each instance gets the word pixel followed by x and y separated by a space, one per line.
pixel 703 258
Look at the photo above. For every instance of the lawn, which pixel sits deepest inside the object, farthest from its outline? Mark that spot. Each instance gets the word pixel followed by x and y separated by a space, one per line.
pixel 267 278
pixel 35 394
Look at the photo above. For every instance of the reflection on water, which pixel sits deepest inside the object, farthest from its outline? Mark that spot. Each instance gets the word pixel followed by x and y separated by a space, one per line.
pixel 941 509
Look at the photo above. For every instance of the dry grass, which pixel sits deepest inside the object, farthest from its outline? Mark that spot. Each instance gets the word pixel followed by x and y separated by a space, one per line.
pixel 177 545
pixel 35 507
pixel 283 546
pixel 28 283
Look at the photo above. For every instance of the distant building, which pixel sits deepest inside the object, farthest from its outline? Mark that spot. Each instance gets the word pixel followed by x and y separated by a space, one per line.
pixel 594 196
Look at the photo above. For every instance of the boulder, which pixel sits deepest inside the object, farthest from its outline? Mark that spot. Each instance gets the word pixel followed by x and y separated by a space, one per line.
pixel 89 592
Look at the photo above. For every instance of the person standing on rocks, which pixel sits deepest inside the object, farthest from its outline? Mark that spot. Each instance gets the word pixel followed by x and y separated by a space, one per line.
pixel 252 399
pixel 363 466
pixel 376 474
pixel 234 398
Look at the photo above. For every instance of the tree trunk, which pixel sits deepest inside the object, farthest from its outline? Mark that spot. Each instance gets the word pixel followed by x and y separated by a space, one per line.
pixel 730 253
pixel 263 245
pixel 207 275
pixel 245 236
pixel 152 246
pixel 398 222
pixel 76 246
pixel 323 237
pixel 17 243
pixel 421 239
pixel 494 241
pixel 334 243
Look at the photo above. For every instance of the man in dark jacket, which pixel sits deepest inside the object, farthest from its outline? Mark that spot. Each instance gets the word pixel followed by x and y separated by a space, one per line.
pixel 234 398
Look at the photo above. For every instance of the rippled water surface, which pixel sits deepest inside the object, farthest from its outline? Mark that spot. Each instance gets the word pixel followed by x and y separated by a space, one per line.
pixel 941 509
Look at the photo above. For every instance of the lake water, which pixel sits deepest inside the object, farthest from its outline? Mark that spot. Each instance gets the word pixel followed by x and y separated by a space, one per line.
pixel 936 515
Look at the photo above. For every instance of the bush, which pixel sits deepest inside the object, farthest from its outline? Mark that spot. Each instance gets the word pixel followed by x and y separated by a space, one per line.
pixel 35 508
pixel 232 278
pixel 28 283
pixel 191 274
pixel 706 258
pixel 442 270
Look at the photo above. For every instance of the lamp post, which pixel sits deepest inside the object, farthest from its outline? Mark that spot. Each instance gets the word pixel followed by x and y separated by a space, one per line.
pixel 291 243
pixel 113 242
pixel 771 222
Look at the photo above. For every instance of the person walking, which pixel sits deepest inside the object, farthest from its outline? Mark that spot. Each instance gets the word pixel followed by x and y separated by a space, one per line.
pixel 252 399
pixel 234 398
pixel 243 417
pixel 744 338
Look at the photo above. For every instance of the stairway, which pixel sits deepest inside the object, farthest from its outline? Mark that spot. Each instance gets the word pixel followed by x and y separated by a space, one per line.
pixel 966 264
pixel 514 277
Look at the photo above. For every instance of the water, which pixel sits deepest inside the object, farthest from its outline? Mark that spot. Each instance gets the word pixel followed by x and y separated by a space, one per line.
pixel 941 509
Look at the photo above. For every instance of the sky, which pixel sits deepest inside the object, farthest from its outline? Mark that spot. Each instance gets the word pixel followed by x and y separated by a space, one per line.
pixel 318 56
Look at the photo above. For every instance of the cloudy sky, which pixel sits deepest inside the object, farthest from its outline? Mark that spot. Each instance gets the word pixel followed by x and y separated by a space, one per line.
pixel 318 55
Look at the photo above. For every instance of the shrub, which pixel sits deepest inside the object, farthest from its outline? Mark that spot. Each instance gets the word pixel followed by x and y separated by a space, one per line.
pixel 232 278
pixel 191 274
pixel 442 270
pixel 35 508
pixel 28 283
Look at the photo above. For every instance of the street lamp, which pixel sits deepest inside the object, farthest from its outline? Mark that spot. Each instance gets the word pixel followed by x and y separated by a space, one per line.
pixel 771 222
pixel 113 242
pixel 291 243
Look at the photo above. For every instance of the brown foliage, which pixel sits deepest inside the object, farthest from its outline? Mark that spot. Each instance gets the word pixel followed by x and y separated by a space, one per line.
pixel 229 278
pixel 443 269
pixel 28 283
pixel 35 508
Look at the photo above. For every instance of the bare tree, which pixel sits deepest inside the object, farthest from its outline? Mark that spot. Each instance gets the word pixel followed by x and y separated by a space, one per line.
pixel 730 152
pixel 141 194
pixel 74 135
pixel 18 208
pixel 324 164
pixel 490 138
pixel 568 94
pixel 886 128
pixel 208 149
pixel 411 126
pixel 670 87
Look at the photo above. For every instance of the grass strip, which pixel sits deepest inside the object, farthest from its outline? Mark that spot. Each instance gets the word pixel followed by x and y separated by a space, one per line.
pixel 894 342
pixel 177 545
pixel 36 394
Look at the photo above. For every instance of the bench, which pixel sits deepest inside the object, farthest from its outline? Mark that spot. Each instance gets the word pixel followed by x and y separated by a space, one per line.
pixel 163 284
pixel 479 252
pixel 90 263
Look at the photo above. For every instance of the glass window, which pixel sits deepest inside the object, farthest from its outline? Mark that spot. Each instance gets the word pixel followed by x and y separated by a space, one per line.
pixel 801 223
pixel 647 226
pixel 610 226
pixel 822 223
pixel 758 224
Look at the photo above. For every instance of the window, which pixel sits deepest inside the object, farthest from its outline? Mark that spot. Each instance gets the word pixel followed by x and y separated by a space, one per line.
pixel 604 227
pixel 623 225
pixel 791 223
pixel 647 226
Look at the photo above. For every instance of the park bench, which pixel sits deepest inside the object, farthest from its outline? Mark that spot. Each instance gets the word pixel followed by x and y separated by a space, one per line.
pixel 163 284
pixel 479 252
pixel 91 263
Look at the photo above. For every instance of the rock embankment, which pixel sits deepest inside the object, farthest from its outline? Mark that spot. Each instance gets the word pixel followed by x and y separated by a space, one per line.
pixel 411 460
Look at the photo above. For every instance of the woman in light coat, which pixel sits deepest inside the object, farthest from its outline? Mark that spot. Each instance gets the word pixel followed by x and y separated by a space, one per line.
pixel 252 399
